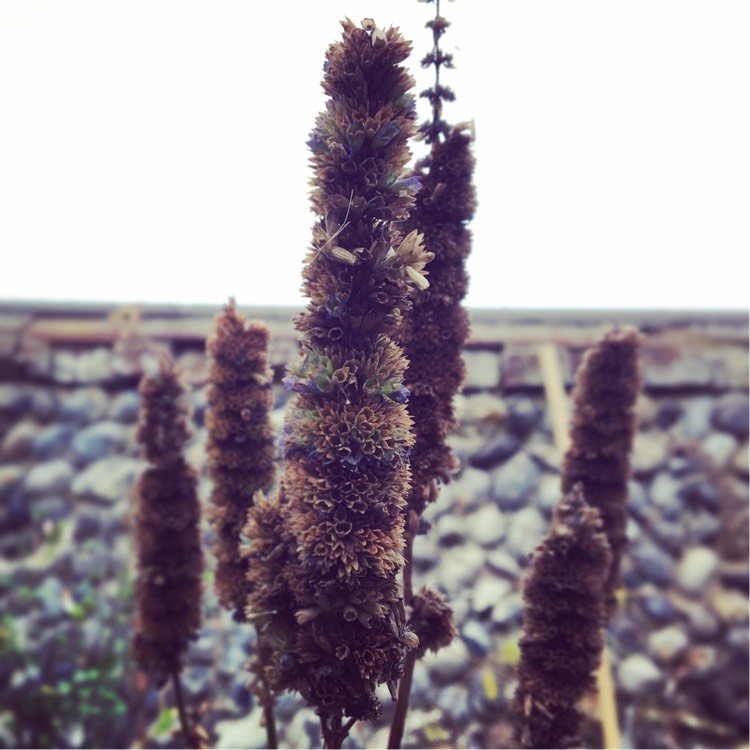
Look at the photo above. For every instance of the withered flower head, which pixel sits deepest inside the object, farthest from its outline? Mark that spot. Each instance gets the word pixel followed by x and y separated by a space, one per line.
pixel 240 442
pixel 432 620
pixel 602 434
pixel 563 618
pixel 348 434
pixel 167 533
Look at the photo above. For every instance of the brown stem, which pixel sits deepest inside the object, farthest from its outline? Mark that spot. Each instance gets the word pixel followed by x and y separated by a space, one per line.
pixel 268 702
pixel 333 733
pixel 402 704
pixel 189 736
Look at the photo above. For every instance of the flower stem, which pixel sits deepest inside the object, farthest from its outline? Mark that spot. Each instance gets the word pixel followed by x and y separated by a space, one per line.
pixel 402 704
pixel 189 737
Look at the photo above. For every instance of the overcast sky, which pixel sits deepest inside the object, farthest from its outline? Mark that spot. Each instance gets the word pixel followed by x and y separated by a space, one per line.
pixel 154 150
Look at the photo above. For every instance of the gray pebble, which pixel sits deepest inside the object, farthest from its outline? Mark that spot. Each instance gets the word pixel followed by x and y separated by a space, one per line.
pixel 637 674
pixel 637 500
pixel 659 608
pixel 702 622
pixel 52 441
pixel 696 417
pixel 526 530
pixel 486 526
pixel 508 611
pixel 670 535
pixel 459 567
pixel 48 478
pixel 51 509
pixel 549 492
pixel 487 592
pixel 14 399
pixel 471 489
pixel 99 440
pixel 453 702
pixel 513 482
pixel 17 442
pixel 450 530
pixel 650 453
pixel 83 405
pixel 50 594
pixel 495 451
pixel 652 563
pixel 523 415
pixel 696 568
pixel 664 492
pixel 107 480
pixel 477 638
pixel 450 663
pixel 668 643
pixel 731 413
pixel 502 562
pixel 545 454
pixel 11 476
pixel 245 732
pixel 125 407
pixel 719 447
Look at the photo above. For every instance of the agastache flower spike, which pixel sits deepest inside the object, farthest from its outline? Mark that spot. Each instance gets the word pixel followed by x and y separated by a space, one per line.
pixel 346 473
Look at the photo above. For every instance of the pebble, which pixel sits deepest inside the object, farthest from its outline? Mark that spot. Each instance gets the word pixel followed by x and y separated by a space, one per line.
pixel 450 530
pixel 702 622
pixel 459 566
pixel 508 611
pixel 659 608
pixel 523 415
pixel 548 493
pixel 50 594
pixel 51 509
pixel 698 491
pixel 719 447
pixel 245 732
pixel 638 501
pixel 453 702
pixel 731 413
pixel 653 563
pixel 487 592
pixel 495 451
pixel 646 411
pixel 696 568
pixel 424 552
pixel 477 638
pixel 48 478
pixel 482 369
pixel 486 699
pixel 99 440
pixel 480 407
pixel 741 459
pixel 545 454
pixel 125 407
pixel 668 534
pixel 668 414
pixel 664 492
pixel 14 399
pixel 637 674
pixel 11 476
pixel 650 453
pixel 730 605
pixel 52 441
pixel 450 663
pixel 107 480
pixel 696 418
pixel 469 490
pixel 526 529
pixel 486 526
pixel 16 444
pixel 83 405
pixel 502 562
pixel 513 481
pixel 668 643
pixel 701 528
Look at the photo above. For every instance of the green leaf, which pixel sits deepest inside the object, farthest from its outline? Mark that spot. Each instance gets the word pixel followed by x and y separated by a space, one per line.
pixel 166 721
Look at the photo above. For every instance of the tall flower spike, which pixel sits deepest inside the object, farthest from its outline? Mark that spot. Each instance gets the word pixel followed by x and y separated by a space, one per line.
pixel 563 617
pixel 348 434
pixel 240 442
pixel 436 329
pixel 602 434
pixel 167 533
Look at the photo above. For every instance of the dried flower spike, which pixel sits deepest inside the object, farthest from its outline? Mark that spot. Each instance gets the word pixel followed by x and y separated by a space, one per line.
pixel 348 434
pixel 240 442
pixel 602 434
pixel 563 617
pixel 167 534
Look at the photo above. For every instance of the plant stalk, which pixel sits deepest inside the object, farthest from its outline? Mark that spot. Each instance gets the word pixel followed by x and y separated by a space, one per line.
pixel 402 704
pixel 189 737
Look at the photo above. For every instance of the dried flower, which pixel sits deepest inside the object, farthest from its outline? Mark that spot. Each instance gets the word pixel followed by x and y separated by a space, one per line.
pixel 167 533
pixel 565 610
pixel 348 434
pixel 240 442
pixel 602 433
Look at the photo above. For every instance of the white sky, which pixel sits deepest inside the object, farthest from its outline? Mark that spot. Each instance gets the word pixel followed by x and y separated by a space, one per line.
pixel 154 150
